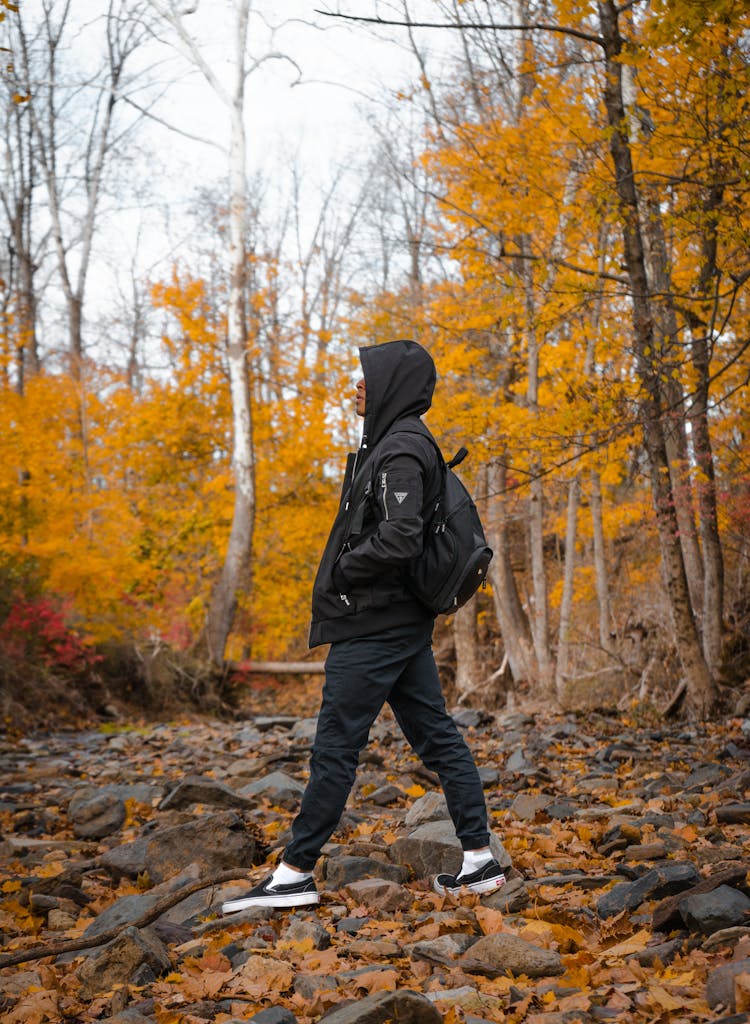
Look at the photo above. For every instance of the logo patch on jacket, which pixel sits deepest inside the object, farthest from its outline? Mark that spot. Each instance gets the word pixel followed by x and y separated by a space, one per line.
pixel 400 496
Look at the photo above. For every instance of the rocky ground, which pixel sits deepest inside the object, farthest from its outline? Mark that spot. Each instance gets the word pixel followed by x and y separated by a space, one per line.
pixel 628 853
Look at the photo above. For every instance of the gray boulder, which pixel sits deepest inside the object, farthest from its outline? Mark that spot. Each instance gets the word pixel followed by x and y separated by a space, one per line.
pixel 665 880
pixel 278 787
pixel 498 954
pixel 95 813
pixel 402 1006
pixel 709 912
pixel 434 847
pixel 720 984
pixel 215 842
pixel 124 911
pixel 128 860
pixel 341 871
pixel 430 807
pixel 196 789
pixel 119 961
pixel 300 929
pixel 379 892
pixel 443 950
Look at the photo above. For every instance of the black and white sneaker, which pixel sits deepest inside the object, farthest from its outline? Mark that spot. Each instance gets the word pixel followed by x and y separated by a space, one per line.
pixel 486 879
pixel 296 894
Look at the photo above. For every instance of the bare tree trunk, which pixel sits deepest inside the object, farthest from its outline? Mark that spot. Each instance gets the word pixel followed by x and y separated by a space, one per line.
pixel 665 319
pixel 511 617
pixel 701 687
pixel 465 640
pixel 566 605
pixel 539 612
pixel 600 565
pixel 235 571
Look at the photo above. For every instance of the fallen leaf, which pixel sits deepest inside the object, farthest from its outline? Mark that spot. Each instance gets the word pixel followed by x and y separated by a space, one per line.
pixel 634 944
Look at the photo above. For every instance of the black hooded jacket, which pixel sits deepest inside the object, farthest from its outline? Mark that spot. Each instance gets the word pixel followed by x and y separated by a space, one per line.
pixel 388 486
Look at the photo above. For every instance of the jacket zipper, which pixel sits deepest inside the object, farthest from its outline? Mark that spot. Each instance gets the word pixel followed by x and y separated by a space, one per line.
pixel 384 486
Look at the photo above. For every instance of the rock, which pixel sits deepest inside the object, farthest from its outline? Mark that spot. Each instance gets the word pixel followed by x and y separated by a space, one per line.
pixel 726 937
pixel 118 961
pixel 263 723
pixel 124 911
pixel 471 718
pixel 309 986
pixel 20 982
pixel 517 762
pixel 647 851
pixel 662 881
pixel 127 860
pixel 95 813
pixel 708 912
pixel 300 930
pixel 488 775
pixel 341 871
pixel 403 1006
pixel 305 729
pixel 733 814
pixel 130 1015
pixel 387 896
pixel 561 810
pixel 664 952
pixel 434 847
pixel 278 787
pixel 442 950
pixel 511 898
pixel 385 795
pixel 720 984
pixel 196 789
pixel 526 806
pixel 350 925
pixel 667 914
pixel 430 807
pixel 274 1015
pixel 495 955
pixel 216 842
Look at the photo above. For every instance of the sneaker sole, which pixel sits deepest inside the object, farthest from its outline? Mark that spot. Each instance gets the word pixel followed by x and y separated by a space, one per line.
pixel 290 900
pixel 479 888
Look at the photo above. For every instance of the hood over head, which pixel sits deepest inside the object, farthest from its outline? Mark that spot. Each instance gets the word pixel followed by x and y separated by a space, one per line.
pixel 399 381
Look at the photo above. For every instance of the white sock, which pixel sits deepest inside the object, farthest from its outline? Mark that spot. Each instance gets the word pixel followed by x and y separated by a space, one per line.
pixel 475 859
pixel 284 875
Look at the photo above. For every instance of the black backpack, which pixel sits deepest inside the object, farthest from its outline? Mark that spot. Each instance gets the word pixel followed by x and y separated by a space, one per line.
pixel 455 558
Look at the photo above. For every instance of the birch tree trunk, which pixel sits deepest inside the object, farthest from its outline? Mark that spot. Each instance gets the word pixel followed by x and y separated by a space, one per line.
pixel 235 572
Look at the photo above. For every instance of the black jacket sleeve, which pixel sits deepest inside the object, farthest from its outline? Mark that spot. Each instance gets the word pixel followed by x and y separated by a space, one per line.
pixel 398 488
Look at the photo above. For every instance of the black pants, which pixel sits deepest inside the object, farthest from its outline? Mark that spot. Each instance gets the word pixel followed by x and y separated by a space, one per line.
pixel 396 666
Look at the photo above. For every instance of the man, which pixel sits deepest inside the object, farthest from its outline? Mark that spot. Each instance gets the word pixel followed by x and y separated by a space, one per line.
pixel 380 634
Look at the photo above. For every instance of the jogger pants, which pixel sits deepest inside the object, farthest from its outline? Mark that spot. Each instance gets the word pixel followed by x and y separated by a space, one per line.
pixel 397 666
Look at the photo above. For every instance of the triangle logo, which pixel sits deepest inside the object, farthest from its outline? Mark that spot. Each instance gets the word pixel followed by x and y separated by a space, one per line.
pixel 400 495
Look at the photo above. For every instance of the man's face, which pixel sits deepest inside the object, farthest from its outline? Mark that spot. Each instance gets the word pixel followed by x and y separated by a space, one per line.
pixel 360 399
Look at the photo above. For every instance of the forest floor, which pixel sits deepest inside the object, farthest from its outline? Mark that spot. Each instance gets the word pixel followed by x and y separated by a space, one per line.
pixel 628 853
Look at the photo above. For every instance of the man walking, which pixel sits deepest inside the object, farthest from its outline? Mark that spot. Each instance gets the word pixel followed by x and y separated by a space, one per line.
pixel 380 634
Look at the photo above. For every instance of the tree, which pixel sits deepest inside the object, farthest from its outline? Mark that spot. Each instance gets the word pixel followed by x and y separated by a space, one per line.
pixel 236 563
pixel 74 137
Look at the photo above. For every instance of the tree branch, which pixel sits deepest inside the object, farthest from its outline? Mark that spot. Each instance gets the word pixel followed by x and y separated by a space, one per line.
pixel 480 26
pixel 74 945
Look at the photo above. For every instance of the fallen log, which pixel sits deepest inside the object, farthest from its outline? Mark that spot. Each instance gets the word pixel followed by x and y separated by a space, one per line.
pixel 279 668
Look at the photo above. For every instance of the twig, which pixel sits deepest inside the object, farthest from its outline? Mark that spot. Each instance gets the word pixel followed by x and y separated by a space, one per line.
pixel 677 698
pixel 73 945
